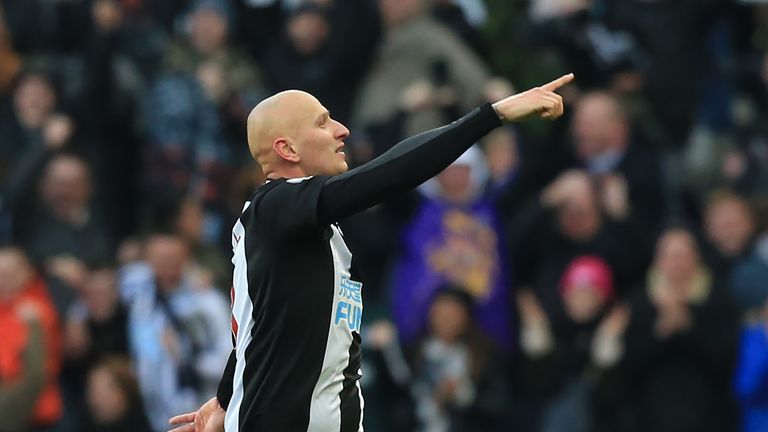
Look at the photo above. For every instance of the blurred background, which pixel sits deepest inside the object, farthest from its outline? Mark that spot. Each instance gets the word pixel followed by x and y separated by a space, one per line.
pixel 605 272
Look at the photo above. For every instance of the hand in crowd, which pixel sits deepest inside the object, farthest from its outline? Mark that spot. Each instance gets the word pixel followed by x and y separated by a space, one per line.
pixel 446 390
pixel 423 94
pixel 538 101
pixel 497 88
pixel 615 322
pixel 531 312
pixel 172 344
pixel 28 312
pixel 608 341
pixel 614 195
pixel 57 131
pixel 209 418
pixel 211 76
pixel 68 269
pixel 381 334
pixel 673 316
pixel 107 15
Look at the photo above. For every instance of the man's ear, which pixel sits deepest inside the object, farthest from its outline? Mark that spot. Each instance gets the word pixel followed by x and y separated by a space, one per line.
pixel 285 150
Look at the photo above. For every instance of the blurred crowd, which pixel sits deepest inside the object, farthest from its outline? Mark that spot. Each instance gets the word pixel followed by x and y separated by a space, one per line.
pixel 605 272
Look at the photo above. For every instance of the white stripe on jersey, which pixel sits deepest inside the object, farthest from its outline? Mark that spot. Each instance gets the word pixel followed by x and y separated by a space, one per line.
pixel 362 402
pixel 325 409
pixel 242 307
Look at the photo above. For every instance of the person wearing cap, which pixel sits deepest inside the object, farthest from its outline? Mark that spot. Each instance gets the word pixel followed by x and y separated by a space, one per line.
pixel 568 349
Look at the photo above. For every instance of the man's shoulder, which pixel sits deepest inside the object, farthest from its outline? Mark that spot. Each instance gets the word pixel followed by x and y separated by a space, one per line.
pixel 287 188
pixel 285 204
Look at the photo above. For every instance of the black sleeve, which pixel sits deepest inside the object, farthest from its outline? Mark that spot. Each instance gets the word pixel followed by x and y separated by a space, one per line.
pixel 224 393
pixel 403 167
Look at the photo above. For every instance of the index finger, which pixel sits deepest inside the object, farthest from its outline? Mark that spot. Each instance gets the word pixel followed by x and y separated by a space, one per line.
pixel 556 84
pixel 183 418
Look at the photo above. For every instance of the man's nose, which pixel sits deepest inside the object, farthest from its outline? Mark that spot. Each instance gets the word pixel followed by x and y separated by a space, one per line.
pixel 341 131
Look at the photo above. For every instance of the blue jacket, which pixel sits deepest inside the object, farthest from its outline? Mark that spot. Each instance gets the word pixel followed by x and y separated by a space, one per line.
pixel 751 381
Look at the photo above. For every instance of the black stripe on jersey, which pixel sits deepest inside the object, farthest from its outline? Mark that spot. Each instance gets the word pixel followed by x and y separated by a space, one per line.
pixel 350 392
pixel 304 321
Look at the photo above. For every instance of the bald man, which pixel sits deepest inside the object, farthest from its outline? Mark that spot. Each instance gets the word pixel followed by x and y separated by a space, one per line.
pixel 297 301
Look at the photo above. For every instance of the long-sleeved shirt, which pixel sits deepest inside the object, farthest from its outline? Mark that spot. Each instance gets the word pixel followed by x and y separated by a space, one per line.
pixel 297 300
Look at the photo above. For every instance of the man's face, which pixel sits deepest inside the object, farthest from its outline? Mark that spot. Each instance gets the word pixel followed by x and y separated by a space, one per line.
pixel 596 127
pixel 448 319
pixel 583 303
pixel 167 255
pixel 319 141
pixel 729 226
pixel 208 30
pixel 66 186
pixel 579 217
pixel 100 294
pixel 308 32
pixel 677 256
pixel 34 100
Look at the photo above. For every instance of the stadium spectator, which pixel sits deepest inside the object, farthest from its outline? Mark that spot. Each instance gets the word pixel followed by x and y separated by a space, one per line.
pixel 451 234
pixel 206 52
pixel 313 54
pixel 606 56
pixel 458 378
pixel 23 122
pixel 62 230
pixel 681 343
pixel 608 148
pixel 568 220
pixel 388 380
pixel 674 74
pixel 190 225
pixel 747 276
pixel 730 227
pixel 751 378
pixel 65 222
pixel 30 352
pixel 197 109
pixel 95 328
pixel 502 152
pixel 113 398
pixel 464 17
pixel 565 360
pixel 416 49
pixel 174 329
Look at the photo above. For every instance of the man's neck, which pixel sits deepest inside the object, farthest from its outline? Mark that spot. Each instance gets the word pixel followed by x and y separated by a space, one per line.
pixel 288 173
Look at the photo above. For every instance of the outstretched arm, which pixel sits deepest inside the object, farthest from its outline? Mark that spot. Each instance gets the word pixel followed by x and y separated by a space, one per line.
pixel 419 158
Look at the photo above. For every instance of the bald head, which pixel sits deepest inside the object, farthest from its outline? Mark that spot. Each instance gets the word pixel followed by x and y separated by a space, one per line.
pixel 274 117
pixel 291 134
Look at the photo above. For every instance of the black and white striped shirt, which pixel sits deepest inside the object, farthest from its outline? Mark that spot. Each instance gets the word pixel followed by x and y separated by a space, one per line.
pixel 297 306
